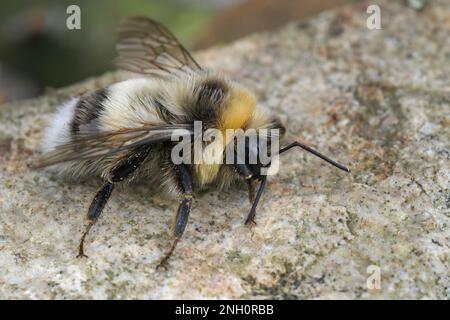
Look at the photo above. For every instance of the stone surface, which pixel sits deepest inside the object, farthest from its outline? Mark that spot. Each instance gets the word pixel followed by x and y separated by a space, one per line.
pixel 377 100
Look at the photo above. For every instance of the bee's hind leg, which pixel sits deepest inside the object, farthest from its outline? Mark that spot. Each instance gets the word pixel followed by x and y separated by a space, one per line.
pixel 183 178
pixel 95 209
pixel 123 169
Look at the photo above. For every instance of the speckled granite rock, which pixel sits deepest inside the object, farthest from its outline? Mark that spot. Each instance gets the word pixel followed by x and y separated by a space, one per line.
pixel 378 100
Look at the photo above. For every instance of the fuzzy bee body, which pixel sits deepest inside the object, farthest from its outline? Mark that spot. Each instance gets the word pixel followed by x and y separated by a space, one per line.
pixel 147 102
pixel 125 131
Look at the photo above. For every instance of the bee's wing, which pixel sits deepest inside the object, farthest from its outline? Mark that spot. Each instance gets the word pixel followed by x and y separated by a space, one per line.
pixel 147 47
pixel 90 146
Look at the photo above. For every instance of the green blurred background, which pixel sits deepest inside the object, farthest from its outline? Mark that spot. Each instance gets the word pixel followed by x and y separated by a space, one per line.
pixel 37 51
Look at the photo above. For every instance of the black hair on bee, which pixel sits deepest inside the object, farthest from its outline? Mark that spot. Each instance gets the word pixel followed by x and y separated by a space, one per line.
pixel 124 132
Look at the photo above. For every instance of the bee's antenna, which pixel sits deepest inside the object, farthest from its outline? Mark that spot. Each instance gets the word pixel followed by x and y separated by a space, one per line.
pixel 316 153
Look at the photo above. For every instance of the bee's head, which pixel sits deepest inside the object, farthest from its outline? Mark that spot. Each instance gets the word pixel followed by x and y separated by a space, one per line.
pixel 256 151
pixel 223 104
pixel 231 109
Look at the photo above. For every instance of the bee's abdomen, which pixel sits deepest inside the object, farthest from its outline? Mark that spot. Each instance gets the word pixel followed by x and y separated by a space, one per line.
pixel 58 132
pixel 134 103
pixel 87 111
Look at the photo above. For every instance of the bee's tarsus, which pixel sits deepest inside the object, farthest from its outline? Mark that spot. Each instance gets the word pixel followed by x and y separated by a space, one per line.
pixel 164 261
pixel 82 255
pixel 250 221
pixel 81 245
pixel 251 216
pixel 83 237
pixel 316 153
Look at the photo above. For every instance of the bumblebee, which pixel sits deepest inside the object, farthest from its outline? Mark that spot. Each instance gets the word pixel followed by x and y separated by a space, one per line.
pixel 125 131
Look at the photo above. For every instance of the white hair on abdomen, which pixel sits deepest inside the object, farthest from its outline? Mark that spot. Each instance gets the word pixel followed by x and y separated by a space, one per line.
pixel 58 131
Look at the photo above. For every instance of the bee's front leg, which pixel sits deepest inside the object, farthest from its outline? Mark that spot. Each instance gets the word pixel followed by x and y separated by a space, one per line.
pixel 251 215
pixel 244 171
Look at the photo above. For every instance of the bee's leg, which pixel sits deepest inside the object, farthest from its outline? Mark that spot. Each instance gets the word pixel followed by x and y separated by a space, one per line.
pixel 244 171
pixel 183 178
pixel 179 225
pixel 252 213
pixel 121 171
pixel 251 190
pixel 95 209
